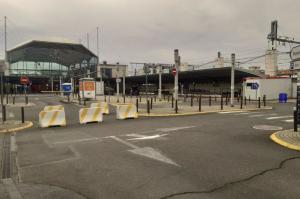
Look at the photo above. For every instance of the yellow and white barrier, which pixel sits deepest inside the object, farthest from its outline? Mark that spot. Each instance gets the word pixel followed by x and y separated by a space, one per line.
pixel 90 115
pixel 102 105
pixel 54 108
pixel 125 111
pixel 52 118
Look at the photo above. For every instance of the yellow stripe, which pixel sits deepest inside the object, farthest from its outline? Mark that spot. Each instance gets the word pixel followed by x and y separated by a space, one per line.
pixel 127 110
pixel 42 114
pixel 83 114
pixel 96 113
pixel 53 118
pixel 284 143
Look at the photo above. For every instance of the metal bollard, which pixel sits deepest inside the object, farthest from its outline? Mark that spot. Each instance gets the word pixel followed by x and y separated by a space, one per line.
pixel 151 103
pixel 22 114
pixel 249 98
pixel 124 99
pixel 238 98
pixel 200 103
pixel 241 101
pixel 14 99
pixel 140 99
pixel 172 102
pixel 105 98
pixel 209 101
pixel 295 120
pixel 245 101
pixel 176 106
pixel 264 100
pixel 7 98
pixel 155 98
pixel 26 99
pixel 148 106
pixel 137 105
pixel 184 98
pixel 258 102
pixel 215 98
pixel 168 98
pixel 3 113
pixel 222 102
pixel 192 101
pixel 164 97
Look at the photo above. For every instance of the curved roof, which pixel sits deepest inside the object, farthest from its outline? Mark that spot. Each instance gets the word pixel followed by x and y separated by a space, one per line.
pixel 63 53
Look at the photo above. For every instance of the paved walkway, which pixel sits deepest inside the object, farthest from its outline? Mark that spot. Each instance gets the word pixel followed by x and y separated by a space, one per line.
pixel 287 138
pixel 14 125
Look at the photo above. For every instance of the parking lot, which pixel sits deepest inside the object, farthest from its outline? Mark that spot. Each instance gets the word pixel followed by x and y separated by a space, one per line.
pixel 219 155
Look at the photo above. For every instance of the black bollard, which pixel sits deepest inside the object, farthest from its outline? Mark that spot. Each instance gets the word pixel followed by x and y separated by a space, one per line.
pixel 148 106
pixel 84 102
pixel 241 102
pixel 295 120
pixel 6 98
pixel 151 103
pixel 105 98
pixel 154 98
pixel 26 99
pixel 215 98
pixel 245 101
pixel 14 99
pixel 3 113
pixel 249 99
pixel 264 100
pixel 258 102
pixel 221 102
pixel 168 98
pixel 209 101
pixel 137 105
pixel 192 101
pixel 22 114
pixel 200 103
pixel 172 102
pixel 176 106
pixel 140 99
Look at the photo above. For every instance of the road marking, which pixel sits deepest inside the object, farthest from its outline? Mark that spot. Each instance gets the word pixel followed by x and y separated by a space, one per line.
pixel 75 157
pixel 268 127
pixel 246 113
pixel 11 189
pixel 257 115
pixel 228 112
pixel 174 128
pixel 279 117
pixel 76 141
pixel 146 152
pixel 289 121
pixel 11 115
pixel 143 137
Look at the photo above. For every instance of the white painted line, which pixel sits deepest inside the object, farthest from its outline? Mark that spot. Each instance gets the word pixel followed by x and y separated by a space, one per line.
pixel 76 141
pixel 174 128
pixel 257 115
pixel 279 117
pixel 141 137
pixel 268 127
pixel 153 154
pixel 146 152
pixel 124 142
pixel 11 189
pixel 75 157
pixel 233 112
pixel 13 145
pixel 289 121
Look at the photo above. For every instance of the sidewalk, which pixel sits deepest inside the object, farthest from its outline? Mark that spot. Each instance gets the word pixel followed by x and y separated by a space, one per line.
pixel 14 125
pixel 287 138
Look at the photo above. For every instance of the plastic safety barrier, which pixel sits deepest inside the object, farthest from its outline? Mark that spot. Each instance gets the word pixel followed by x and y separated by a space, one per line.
pixel 52 118
pixel 87 115
pixel 102 105
pixel 54 108
pixel 125 111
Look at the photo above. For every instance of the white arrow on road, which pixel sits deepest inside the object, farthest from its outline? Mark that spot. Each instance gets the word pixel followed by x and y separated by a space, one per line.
pixel 146 152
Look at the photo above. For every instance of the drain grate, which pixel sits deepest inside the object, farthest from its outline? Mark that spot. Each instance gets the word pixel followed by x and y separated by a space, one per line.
pixel 6 161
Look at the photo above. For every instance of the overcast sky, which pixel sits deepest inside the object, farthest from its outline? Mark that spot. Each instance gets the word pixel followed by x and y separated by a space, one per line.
pixel 149 30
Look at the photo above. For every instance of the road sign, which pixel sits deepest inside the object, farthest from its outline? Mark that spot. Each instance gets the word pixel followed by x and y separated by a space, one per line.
pixel 174 71
pixel 254 86
pixel 24 80
pixel 295 53
pixel 118 80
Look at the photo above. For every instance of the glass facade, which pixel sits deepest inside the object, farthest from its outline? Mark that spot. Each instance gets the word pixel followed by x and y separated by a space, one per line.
pixel 38 69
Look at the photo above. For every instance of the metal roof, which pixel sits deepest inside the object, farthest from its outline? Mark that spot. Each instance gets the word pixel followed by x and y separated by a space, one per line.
pixel 64 53
pixel 199 75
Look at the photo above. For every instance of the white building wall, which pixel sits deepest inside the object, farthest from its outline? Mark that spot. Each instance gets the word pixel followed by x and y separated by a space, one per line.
pixel 269 87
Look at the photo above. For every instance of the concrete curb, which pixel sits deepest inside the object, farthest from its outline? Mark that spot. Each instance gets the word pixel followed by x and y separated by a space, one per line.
pixel 283 143
pixel 200 113
pixel 30 124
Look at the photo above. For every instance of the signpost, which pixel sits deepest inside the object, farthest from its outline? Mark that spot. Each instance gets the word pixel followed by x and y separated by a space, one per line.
pixel 255 86
pixel 174 71
pixel 24 80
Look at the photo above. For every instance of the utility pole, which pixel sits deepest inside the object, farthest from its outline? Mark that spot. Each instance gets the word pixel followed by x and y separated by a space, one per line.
pixel 88 40
pixel 118 82
pixel 159 82
pixel 232 80
pixel 177 62
pixel 5 59
pixel 98 65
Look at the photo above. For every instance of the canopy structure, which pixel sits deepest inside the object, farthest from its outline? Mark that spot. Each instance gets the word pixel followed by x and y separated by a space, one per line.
pixel 63 53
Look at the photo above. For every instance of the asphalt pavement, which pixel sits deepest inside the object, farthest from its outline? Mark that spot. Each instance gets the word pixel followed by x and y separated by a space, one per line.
pixel 228 155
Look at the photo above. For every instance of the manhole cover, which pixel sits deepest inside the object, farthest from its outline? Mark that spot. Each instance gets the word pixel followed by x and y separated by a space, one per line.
pixel 267 127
